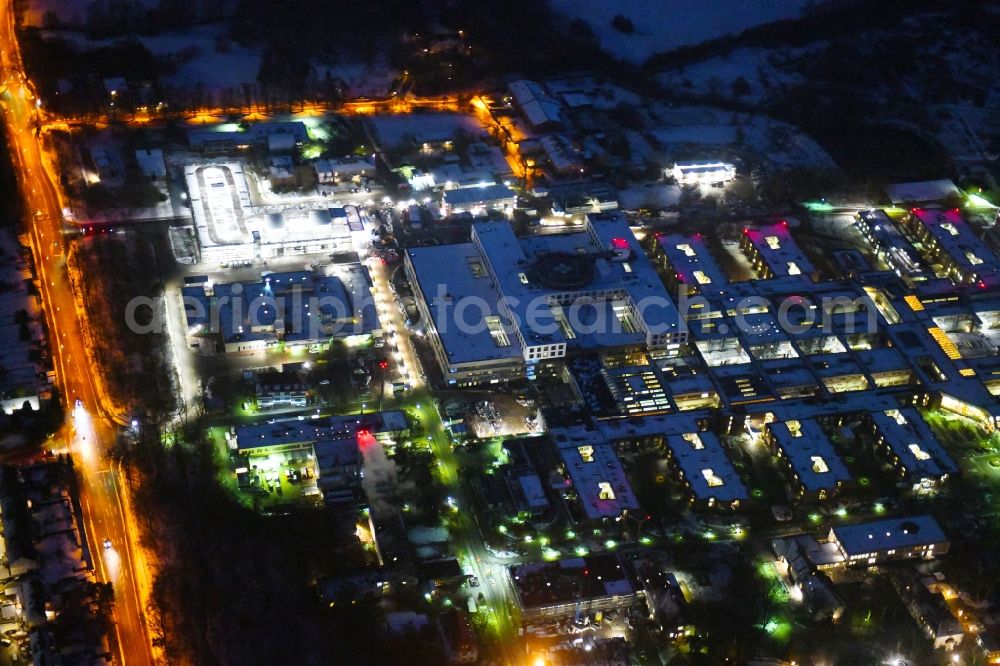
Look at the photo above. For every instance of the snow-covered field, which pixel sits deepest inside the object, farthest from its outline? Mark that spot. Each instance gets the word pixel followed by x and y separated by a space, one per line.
pixel 204 55
pixel 663 25
pixel 207 58
pixel 682 130
pixel 657 195
pixel 362 80
pixel 759 68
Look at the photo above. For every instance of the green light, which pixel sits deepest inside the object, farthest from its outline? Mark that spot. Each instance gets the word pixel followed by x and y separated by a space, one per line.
pixel 580 551
pixel 976 201
pixel 841 511
pixel 570 534
pixel 709 534
pixel 502 529
pixel 544 541
pixel 771 626
pixel 815 517
pixel 528 538
pixel 550 554
pixel 645 541
pixel 610 544
pixel 878 507
pixel 818 206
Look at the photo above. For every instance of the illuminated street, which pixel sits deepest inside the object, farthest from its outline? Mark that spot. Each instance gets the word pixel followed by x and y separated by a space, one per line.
pixel 91 431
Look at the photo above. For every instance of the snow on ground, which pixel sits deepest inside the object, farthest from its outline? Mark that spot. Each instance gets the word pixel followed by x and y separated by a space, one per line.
pixel 655 195
pixel 69 12
pixel 682 130
pixel 424 535
pixel 361 79
pixel 663 25
pixel 716 75
pixel 207 58
pixel 395 131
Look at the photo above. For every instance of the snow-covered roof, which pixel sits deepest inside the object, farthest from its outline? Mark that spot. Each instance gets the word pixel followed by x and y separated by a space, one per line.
pixel 923 191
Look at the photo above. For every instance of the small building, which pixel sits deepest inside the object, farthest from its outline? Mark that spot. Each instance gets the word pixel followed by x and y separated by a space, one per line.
pixel 284 389
pixel 889 244
pixel 705 469
pixel 907 441
pixel 797 560
pixel 815 468
pixel 595 473
pixel 929 610
pixel 335 171
pixel 950 241
pixel 773 252
pixel 688 266
pixel 890 539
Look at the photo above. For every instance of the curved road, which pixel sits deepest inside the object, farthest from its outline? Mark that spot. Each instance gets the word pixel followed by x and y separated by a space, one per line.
pixel 90 429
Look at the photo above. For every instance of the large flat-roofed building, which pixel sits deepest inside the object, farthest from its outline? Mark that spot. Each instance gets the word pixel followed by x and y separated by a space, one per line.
pixel 293 435
pixel 329 447
pixel 539 297
pixel 773 252
pixel 948 240
pixel 228 228
pixel 298 308
pixel 227 138
pixel 890 539
pixel 597 476
pixel 907 440
pixel 689 267
pixel 487 350
pixel 548 591
pixel 479 198
pixel 705 468
pixel 816 469
pixel 889 244
pixel 703 172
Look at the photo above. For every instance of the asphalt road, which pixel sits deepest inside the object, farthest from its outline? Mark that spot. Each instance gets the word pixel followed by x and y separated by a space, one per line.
pixel 90 429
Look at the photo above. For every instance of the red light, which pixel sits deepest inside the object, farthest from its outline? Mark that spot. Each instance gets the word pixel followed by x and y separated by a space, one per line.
pixel 784 223
pixel 698 236
pixel 982 285
pixel 619 243
pixel 746 231
pixel 383 364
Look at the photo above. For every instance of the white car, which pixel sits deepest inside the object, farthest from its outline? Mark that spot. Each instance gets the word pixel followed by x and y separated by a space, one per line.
pixel 107 544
